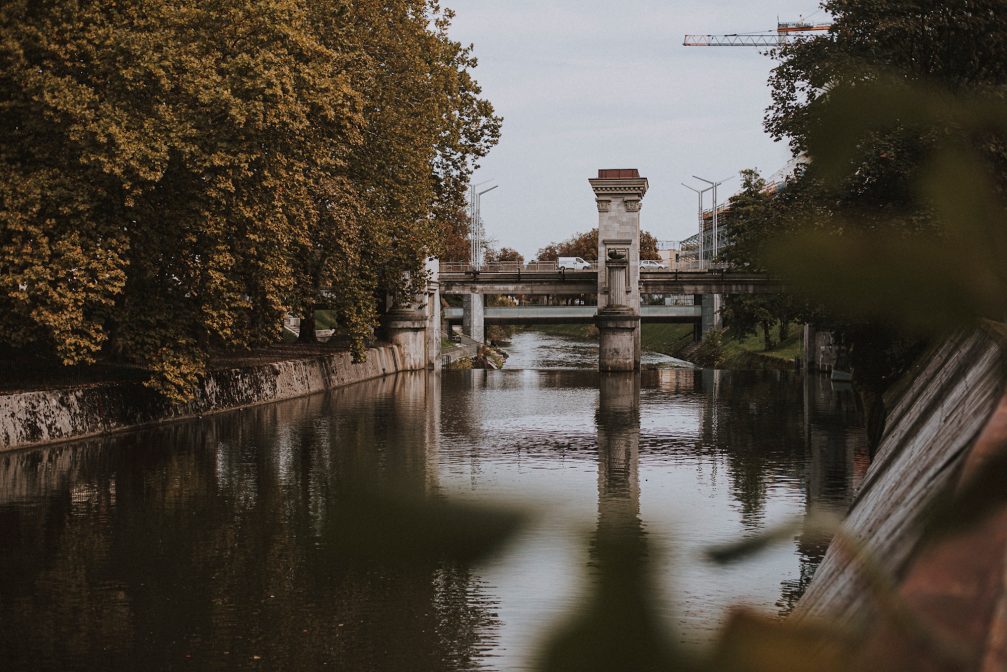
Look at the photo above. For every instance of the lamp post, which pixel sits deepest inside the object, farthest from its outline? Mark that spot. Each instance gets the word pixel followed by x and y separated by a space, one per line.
pixel 475 223
pixel 714 185
pixel 699 193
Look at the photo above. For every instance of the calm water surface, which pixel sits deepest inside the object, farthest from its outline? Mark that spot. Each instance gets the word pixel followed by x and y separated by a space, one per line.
pixel 222 543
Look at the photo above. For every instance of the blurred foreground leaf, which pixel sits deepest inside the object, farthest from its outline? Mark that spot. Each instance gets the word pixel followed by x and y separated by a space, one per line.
pixel 752 642
pixel 822 525
pixel 619 628
pixel 931 254
pixel 390 529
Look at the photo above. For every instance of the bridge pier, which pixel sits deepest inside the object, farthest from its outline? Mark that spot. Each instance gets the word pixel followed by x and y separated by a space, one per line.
pixel 406 327
pixel 415 327
pixel 618 195
pixel 474 317
pixel 712 319
pixel 618 340
pixel 433 314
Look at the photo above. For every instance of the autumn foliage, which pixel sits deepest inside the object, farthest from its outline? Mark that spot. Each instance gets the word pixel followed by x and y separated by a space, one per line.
pixel 585 246
pixel 177 175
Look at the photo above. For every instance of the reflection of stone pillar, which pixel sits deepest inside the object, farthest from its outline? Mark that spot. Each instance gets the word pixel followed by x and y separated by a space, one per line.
pixel 433 433
pixel 618 194
pixel 710 383
pixel 618 422
pixel 473 321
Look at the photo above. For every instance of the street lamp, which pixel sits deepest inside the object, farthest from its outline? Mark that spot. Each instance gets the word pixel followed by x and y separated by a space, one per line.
pixel 714 185
pixel 699 193
pixel 475 223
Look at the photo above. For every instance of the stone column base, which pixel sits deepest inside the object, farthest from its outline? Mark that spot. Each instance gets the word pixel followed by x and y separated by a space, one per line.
pixel 407 330
pixel 617 340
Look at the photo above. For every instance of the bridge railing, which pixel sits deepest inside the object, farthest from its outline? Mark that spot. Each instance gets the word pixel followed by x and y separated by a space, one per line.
pixel 693 266
pixel 551 267
pixel 508 267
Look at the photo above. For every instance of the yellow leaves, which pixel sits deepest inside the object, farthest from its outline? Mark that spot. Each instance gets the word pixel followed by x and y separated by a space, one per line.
pixel 178 175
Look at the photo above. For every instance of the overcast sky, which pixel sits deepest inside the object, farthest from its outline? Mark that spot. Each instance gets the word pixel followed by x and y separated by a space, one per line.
pixel 587 84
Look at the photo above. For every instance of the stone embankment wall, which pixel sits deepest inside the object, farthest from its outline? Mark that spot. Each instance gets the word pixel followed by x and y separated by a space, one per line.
pixel 940 420
pixel 34 418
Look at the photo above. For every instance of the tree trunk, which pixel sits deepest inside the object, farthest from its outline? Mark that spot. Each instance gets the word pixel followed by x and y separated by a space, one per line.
pixel 767 335
pixel 307 332
pixel 784 329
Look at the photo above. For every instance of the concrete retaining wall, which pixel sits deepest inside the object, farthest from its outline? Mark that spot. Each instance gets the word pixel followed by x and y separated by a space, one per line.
pixel 928 436
pixel 34 418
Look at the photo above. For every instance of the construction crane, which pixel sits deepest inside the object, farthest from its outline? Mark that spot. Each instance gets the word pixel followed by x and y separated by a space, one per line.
pixel 786 32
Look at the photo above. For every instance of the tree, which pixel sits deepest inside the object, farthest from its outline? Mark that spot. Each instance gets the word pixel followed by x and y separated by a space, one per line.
pixel 426 127
pixel 585 245
pixel 754 218
pixel 504 254
pixel 648 246
pixel 899 109
pixel 175 177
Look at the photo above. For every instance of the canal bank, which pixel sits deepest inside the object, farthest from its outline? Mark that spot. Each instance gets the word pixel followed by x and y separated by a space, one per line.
pixel 925 595
pixel 38 417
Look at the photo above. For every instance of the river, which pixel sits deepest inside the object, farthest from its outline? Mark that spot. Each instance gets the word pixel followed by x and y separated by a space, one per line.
pixel 237 541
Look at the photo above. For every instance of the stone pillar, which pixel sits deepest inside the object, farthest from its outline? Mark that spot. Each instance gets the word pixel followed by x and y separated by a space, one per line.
pixel 618 194
pixel 711 312
pixel 406 327
pixel 473 320
pixel 809 347
pixel 433 314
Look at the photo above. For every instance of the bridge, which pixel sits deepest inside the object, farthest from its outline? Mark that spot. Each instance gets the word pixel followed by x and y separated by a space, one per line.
pixel 574 314
pixel 616 283
pixel 513 280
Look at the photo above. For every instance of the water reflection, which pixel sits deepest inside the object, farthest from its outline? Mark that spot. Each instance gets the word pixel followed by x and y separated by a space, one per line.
pixel 836 467
pixel 206 544
pixel 531 349
pixel 229 542
pixel 618 420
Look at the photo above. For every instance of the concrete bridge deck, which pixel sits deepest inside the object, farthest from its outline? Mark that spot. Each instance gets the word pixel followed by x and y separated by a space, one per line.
pixel 575 314
pixel 566 283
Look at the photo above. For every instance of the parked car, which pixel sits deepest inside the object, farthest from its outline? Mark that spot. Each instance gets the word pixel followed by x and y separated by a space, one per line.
pixel 572 263
pixel 652 265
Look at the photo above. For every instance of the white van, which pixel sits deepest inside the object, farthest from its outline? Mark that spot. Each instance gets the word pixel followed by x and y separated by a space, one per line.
pixel 572 263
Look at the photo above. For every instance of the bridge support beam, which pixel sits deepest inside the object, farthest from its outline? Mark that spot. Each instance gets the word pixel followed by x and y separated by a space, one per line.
pixel 474 317
pixel 618 195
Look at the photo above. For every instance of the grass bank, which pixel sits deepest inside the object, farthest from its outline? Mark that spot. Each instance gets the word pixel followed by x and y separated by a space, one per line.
pixel 724 350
